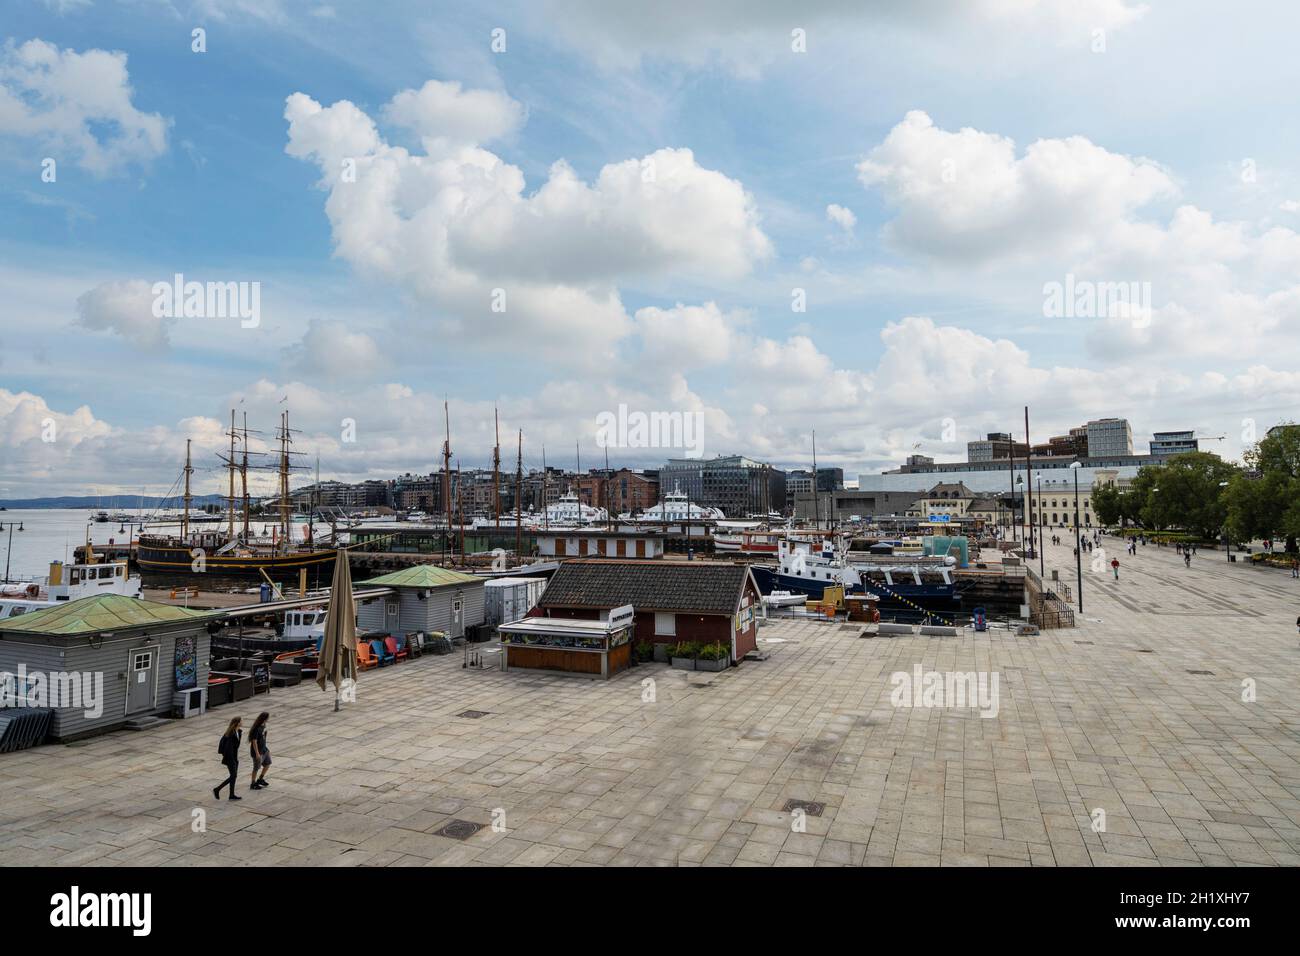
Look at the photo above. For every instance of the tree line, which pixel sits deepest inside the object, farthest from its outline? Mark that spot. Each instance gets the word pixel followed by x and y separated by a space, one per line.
pixel 1205 496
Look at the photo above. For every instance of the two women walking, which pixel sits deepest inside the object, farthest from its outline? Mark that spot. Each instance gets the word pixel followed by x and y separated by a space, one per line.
pixel 228 748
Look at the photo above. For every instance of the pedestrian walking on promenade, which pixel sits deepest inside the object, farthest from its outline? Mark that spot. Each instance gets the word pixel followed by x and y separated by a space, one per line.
pixel 258 751
pixel 1114 566
pixel 228 747
pixel 1295 567
pixel 1187 558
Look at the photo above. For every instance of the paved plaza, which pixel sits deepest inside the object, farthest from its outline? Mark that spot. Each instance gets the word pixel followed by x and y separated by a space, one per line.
pixel 1137 712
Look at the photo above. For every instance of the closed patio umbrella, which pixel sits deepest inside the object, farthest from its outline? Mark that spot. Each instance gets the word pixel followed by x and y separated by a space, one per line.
pixel 338 652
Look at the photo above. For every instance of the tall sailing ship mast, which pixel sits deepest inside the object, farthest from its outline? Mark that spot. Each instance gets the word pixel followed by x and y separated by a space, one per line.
pixel 233 551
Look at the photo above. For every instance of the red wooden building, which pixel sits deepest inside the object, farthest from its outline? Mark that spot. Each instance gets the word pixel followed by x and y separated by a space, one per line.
pixel 703 601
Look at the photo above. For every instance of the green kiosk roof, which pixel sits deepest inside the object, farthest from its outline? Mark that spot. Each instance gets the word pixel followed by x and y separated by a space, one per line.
pixel 424 576
pixel 104 612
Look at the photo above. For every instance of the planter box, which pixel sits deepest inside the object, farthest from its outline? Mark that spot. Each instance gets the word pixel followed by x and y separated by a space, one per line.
pixel 661 653
pixel 684 663
pixel 721 664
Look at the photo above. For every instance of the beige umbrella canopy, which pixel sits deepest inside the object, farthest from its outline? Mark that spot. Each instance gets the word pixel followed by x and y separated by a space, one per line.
pixel 338 651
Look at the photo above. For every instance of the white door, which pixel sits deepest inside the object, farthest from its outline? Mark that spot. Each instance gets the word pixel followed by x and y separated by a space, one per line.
pixel 457 616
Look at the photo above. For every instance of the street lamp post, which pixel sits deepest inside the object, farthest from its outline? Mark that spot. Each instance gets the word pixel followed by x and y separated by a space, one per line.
pixel 1042 540
pixel 1227 544
pixel 1078 541
pixel 1020 489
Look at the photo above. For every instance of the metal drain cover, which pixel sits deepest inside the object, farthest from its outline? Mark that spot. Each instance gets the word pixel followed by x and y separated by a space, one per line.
pixel 473 714
pixel 807 806
pixel 458 829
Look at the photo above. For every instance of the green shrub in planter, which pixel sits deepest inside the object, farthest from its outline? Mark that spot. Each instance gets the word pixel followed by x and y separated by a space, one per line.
pixel 713 657
pixel 683 655
pixel 644 652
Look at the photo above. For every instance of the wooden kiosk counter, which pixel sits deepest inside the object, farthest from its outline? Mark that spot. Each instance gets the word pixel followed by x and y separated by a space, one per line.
pixel 573 646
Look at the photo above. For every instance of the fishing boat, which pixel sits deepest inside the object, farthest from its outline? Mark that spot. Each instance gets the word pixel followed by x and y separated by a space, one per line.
pixel 915 586
pixel 234 551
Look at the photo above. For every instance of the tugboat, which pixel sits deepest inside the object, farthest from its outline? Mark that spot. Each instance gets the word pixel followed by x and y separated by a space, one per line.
pixel 235 551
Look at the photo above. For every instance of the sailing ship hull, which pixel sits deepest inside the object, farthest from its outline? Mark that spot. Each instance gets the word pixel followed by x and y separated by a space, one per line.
pixel 173 558
pixel 933 597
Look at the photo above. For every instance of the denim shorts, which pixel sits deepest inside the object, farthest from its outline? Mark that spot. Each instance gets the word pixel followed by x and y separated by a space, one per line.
pixel 266 759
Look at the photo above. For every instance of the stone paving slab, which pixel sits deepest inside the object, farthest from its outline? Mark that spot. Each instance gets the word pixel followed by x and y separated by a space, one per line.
pixel 589 773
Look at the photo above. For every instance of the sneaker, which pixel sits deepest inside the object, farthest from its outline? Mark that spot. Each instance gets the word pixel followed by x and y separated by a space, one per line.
pixel 233 797
pixel 263 783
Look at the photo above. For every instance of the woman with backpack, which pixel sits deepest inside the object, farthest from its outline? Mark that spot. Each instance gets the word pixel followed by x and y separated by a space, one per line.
pixel 258 751
pixel 228 747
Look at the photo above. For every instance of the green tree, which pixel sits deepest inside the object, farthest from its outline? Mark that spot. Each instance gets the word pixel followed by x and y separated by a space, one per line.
pixel 1185 492
pixel 1108 505
pixel 1265 503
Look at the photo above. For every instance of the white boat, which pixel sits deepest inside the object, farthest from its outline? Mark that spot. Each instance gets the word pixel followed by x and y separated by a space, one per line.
pixel 568 511
pixel 304 624
pixel 767 540
pixel 674 508
pixel 67 582
pixel 784 598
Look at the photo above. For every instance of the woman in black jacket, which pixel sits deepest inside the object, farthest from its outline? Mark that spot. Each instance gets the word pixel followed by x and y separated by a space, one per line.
pixel 229 750
pixel 257 749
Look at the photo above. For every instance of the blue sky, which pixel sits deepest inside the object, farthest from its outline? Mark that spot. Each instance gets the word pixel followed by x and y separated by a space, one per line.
pixel 980 150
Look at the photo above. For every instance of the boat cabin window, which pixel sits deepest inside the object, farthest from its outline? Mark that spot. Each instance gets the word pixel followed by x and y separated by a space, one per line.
pixel 75 576
pixel 105 573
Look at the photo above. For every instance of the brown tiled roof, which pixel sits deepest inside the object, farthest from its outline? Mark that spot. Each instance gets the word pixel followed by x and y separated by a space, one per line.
pixel 706 587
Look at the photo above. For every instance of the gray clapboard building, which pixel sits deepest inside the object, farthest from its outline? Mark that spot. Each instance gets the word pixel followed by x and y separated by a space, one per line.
pixel 103 661
pixel 425 598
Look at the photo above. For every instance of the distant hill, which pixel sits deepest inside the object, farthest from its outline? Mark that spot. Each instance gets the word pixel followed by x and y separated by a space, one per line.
pixel 98 503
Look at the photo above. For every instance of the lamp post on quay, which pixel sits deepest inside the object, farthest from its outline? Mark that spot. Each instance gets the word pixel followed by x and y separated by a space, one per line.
pixel 1227 543
pixel 1078 540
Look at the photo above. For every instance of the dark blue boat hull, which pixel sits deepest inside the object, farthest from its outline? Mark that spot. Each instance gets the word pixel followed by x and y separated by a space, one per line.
pixel 936 598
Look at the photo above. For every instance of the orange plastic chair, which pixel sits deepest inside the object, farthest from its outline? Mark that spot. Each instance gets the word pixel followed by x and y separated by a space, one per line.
pixel 365 656
pixel 398 652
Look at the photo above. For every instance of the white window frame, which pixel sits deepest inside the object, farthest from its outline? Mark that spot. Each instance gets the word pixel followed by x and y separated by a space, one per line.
pixel 671 619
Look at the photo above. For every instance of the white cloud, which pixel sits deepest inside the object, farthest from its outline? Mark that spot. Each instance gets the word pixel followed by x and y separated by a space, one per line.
pixel 842 217
pixel 444 113
pixel 537 272
pixel 78 106
pixel 331 349
pixel 124 307
pixel 747 35
pixel 967 197
pixel 686 336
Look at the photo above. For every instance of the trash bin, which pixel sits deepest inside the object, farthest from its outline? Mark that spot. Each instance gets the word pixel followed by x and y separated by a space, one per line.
pixel 264 593
pixel 980 619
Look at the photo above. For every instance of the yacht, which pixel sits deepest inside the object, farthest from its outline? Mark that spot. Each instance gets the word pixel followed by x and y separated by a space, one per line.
pixel 568 511
pixel 674 508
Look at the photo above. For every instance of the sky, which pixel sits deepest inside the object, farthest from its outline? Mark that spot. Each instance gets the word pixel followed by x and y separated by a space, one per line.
pixel 896 225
